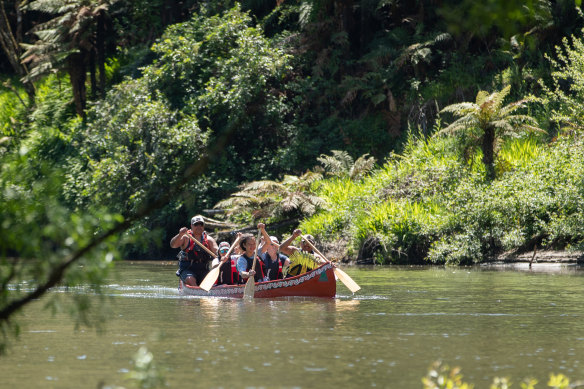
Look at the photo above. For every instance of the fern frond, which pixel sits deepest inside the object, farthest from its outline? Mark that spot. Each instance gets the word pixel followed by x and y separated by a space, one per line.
pixel 482 96
pixel 443 37
pixel 362 166
pixel 498 97
pixel 263 186
pixel 304 259
pixel 46 6
pixel 460 108
pixel 308 178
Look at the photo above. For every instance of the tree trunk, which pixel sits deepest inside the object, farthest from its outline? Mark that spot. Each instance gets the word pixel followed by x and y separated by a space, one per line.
pixel 77 75
pixel 12 50
pixel 488 147
pixel 100 48
pixel 92 71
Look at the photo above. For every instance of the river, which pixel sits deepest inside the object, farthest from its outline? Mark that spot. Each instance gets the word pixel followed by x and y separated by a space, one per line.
pixel 490 322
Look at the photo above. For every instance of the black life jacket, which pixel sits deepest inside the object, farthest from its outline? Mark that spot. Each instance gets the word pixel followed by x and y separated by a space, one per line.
pixel 259 269
pixel 273 268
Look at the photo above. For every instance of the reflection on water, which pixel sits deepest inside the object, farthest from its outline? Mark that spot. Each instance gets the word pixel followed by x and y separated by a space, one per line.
pixel 490 322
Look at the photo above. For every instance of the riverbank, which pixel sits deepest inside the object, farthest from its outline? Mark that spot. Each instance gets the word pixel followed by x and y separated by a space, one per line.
pixel 338 251
pixel 542 256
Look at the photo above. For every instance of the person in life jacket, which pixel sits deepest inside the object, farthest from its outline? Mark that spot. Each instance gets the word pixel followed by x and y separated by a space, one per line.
pixel 273 260
pixel 193 260
pixel 228 274
pixel 245 261
pixel 288 250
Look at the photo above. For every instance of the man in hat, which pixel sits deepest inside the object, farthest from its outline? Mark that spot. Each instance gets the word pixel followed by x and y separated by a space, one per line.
pixel 193 259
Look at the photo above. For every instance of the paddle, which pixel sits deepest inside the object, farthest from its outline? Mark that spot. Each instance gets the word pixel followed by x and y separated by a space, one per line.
pixel 202 246
pixel 341 275
pixel 249 289
pixel 212 276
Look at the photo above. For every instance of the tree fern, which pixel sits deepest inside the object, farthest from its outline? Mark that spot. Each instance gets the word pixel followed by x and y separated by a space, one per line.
pixel 341 164
pixel 268 198
pixel 487 120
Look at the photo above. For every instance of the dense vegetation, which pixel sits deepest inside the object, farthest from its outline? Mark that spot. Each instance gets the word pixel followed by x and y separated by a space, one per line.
pixel 121 119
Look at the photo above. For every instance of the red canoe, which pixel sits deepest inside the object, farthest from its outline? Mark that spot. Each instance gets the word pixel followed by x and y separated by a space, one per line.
pixel 319 282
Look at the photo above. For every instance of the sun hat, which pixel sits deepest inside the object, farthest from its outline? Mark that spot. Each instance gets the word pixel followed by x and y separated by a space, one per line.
pixel 274 240
pixel 223 245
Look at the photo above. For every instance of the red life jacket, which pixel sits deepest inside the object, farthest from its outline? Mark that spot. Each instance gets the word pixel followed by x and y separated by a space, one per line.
pixel 195 252
pixel 228 275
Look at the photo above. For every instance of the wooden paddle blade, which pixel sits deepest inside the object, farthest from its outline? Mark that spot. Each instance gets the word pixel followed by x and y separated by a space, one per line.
pixel 348 281
pixel 249 289
pixel 210 278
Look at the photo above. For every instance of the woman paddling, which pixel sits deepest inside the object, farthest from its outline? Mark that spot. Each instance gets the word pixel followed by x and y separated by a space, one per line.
pixel 245 261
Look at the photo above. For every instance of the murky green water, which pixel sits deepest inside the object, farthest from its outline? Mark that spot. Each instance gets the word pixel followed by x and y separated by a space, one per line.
pixel 514 323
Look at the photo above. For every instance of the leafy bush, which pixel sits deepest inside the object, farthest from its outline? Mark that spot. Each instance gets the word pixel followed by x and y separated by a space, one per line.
pixel 132 150
pixel 564 98
pixel 228 75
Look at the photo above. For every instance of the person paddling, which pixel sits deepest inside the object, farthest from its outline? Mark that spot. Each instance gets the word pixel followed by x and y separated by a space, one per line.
pixel 228 273
pixel 193 259
pixel 274 261
pixel 288 250
pixel 245 261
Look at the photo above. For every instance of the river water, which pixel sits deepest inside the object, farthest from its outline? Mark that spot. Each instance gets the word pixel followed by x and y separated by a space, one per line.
pixel 490 322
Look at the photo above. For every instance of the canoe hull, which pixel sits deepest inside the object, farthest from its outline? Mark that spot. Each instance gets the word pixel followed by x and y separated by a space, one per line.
pixel 319 282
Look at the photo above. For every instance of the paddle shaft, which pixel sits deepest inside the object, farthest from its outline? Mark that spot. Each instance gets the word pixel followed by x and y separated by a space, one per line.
pixel 212 276
pixel 202 246
pixel 257 250
pixel 341 275
pixel 314 249
pixel 232 247
pixel 249 289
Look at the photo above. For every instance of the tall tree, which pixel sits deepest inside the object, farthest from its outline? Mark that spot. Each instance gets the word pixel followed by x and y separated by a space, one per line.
pixel 68 41
pixel 487 120
pixel 10 46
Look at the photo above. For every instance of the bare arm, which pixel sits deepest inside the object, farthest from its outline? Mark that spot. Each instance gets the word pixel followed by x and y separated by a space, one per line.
pixel 285 247
pixel 178 240
pixel 267 240
pixel 213 243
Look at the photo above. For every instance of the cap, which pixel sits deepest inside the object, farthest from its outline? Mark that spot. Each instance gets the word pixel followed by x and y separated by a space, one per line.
pixel 197 219
pixel 274 240
pixel 224 245
pixel 310 238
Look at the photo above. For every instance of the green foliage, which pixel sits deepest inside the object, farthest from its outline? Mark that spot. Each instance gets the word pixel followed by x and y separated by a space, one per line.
pixel 441 376
pixel 427 204
pixel 12 114
pixel 486 120
pixel 146 374
pixel 292 197
pixel 131 151
pixel 341 164
pixel 53 108
pixel 227 74
pixel 565 96
pixel 39 235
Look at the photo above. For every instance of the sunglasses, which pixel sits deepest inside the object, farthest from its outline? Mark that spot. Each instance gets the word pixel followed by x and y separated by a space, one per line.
pixel 223 250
